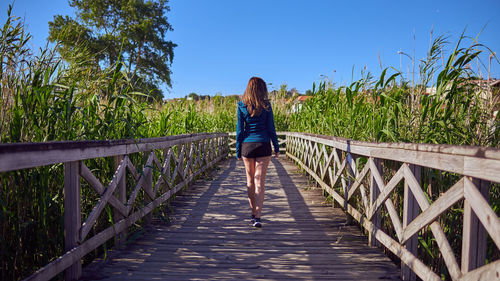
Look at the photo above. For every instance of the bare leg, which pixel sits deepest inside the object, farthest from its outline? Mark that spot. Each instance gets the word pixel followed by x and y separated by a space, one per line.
pixel 250 170
pixel 261 164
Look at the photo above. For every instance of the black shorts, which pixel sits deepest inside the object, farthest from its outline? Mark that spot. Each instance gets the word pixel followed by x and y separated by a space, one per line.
pixel 256 149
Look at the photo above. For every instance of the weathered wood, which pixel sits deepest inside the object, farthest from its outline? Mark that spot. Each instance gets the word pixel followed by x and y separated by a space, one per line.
pixel 445 201
pixel 179 171
pixel 216 241
pixel 140 184
pixel 99 207
pixel 347 187
pixel 437 231
pixel 382 199
pixel 161 178
pixel 375 165
pixel 131 169
pixel 310 152
pixel 474 234
pixel 462 160
pixel 189 158
pixel 72 216
pixel 29 155
pixel 75 254
pixel 99 188
pixel 410 212
pixel 480 206
pixel 341 143
pixel 478 162
pixel 337 197
pixel 406 256
pixel 148 171
pixel 357 181
pixel 339 175
pixel 167 155
pixel 121 196
pixel 328 160
pixel 490 272
pixel 76 244
pixel 394 216
pixel 148 187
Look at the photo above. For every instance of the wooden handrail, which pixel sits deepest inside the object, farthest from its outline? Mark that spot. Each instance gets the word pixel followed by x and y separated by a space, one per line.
pixel 183 158
pixel 18 156
pixel 477 162
pixel 331 162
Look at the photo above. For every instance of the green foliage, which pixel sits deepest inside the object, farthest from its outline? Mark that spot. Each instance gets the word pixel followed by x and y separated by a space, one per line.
pixel 392 112
pixel 108 30
pixel 96 96
pixel 383 110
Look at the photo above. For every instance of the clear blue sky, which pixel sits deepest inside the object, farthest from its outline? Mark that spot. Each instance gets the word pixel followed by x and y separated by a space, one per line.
pixel 222 43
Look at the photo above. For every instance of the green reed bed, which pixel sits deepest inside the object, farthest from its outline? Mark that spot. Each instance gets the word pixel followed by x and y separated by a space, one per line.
pixel 390 109
pixel 44 99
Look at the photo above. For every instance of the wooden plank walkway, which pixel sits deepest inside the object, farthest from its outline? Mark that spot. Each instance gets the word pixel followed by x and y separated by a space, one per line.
pixel 210 236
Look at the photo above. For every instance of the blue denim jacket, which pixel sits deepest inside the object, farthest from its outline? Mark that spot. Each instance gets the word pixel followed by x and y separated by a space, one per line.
pixel 255 129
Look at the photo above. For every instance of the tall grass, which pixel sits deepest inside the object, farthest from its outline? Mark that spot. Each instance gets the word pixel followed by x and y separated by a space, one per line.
pixel 385 110
pixel 390 109
pixel 45 99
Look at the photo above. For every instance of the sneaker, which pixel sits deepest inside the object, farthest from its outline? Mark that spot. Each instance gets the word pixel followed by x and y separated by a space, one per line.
pixel 257 223
pixel 252 220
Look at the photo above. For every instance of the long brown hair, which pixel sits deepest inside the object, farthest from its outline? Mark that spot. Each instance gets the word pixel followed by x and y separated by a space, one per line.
pixel 256 97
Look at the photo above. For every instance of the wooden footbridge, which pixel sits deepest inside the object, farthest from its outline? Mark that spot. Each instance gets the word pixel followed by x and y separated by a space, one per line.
pixel 207 233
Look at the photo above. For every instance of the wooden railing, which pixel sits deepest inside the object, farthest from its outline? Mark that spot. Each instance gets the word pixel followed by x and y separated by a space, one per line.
pixel 352 173
pixel 174 161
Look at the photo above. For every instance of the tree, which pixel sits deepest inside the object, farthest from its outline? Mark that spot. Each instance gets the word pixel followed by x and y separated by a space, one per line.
pixel 132 31
pixel 193 96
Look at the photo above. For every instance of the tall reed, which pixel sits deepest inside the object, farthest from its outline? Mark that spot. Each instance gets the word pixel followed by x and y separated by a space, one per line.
pixel 388 109
pixel 45 99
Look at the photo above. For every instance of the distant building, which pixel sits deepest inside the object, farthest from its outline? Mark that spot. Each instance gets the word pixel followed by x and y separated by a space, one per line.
pixel 297 105
pixel 430 91
pixel 495 94
pixel 488 89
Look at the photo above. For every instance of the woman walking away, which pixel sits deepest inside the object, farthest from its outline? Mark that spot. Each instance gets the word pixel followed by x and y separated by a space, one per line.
pixel 254 129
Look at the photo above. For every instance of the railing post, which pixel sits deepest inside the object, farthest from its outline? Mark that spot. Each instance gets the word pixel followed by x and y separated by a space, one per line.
pixel 203 152
pixel 410 212
pixel 199 155
pixel 374 193
pixel 287 139
pixel 221 147
pixel 336 167
pixel 72 215
pixel 189 160
pixel 474 234
pixel 121 194
pixel 216 147
pixel 350 172
pixel 148 184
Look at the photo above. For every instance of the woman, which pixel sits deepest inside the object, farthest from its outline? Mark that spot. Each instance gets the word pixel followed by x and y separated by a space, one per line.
pixel 254 129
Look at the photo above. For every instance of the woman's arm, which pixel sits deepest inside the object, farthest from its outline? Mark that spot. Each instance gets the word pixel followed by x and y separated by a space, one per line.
pixel 271 130
pixel 239 131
